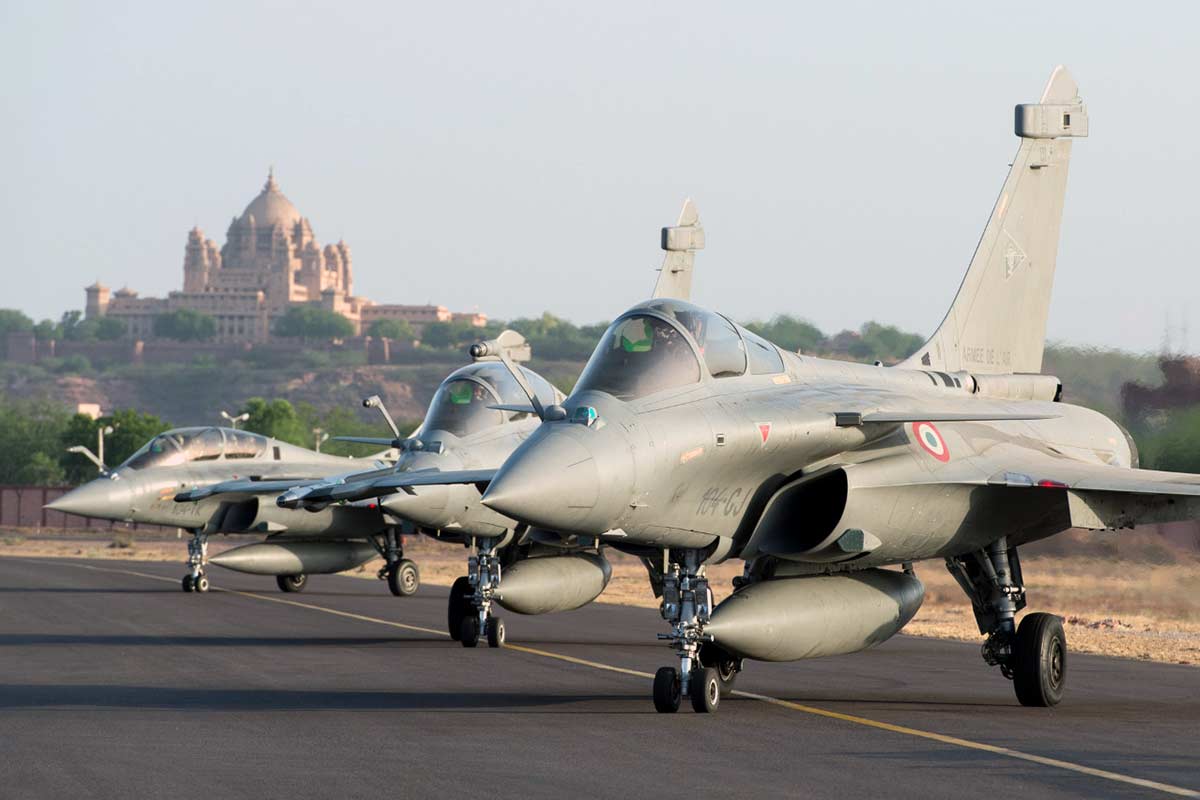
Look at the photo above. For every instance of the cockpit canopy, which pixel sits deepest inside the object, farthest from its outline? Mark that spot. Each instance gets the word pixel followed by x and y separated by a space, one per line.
pixel 462 405
pixel 642 353
pixel 183 445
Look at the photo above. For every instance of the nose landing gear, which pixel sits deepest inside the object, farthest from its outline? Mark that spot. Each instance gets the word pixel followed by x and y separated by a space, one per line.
pixel 469 614
pixel 1034 655
pixel 705 673
pixel 196 580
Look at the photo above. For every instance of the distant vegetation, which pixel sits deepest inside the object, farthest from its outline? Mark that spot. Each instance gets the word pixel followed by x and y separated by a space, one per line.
pixel 307 322
pixel 72 327
pixel 185 325
pixel 391 329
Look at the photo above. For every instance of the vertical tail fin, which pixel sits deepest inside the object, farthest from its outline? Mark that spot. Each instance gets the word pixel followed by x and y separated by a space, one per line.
pixel 681 243
pixel 997 323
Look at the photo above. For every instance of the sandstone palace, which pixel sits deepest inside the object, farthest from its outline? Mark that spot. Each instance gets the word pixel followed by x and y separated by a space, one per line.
pixel 271 261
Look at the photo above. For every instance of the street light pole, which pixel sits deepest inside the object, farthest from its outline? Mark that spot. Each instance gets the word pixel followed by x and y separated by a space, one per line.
pixel 100 434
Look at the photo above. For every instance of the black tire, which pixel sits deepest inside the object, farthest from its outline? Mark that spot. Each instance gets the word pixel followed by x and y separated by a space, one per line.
pixel 704 687
pixel 188 583
pixel 458 606
pixel 291 583
pixel 666 690
pixel 200 584
pixel 727 666
pixel 1040 661
pixel 404 578
pixel 469 632
pixel 495 632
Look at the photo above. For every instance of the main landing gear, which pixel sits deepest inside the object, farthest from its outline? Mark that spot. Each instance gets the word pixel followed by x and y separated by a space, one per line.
pixel 291 583
pixel 706 673
pixel 196 580
pixel 402 576
pixel 469 612
pixel 1034 655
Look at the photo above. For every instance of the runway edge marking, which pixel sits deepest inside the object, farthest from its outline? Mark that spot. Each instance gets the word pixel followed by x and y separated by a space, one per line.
pixel 1071 766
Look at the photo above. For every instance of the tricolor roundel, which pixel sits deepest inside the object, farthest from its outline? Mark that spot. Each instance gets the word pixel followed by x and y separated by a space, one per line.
pixel 931 440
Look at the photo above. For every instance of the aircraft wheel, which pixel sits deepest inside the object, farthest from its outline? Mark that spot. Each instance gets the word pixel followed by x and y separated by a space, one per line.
pixel 705 690
pixel 1040 660
pixel 469 632
pixel 200 584
pixel 291 583
pixel 726 665
pixel 458 606
pixel 188 583
pixel 667 693
pixel 495 632
pixel 404 578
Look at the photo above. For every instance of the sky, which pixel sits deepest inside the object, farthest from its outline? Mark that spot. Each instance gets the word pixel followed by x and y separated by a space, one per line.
pixel 519 157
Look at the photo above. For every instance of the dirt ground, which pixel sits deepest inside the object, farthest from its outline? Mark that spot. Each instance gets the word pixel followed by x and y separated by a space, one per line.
pixel 1132 595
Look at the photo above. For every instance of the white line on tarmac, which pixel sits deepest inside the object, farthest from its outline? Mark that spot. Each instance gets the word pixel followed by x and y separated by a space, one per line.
pixel 1117 777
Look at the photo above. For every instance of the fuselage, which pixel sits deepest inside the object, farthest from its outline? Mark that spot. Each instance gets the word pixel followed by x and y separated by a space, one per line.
pixel 696 465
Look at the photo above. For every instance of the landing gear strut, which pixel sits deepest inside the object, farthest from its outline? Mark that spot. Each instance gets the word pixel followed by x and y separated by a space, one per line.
pixel 469 614
pixel 402 576
pixel 705 673
pixel 196 580
pixel 1034 655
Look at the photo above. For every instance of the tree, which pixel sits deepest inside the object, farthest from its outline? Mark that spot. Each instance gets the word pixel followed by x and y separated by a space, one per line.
pixel 46 330
pixel 278 419
pixel 12 321
pixel 110 330
pixel 450 335
pixel 391 329
pixel 42 469
pixel 307 322
pixel 29 428
pixel 790 333
pixel 185 325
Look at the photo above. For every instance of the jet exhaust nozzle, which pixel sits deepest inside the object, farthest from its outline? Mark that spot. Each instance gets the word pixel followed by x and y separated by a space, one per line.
pixel 295 558
pixel 553 583
pixel 788 619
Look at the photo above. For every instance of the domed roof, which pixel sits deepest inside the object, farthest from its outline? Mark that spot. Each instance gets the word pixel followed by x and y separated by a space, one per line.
pixel 271 207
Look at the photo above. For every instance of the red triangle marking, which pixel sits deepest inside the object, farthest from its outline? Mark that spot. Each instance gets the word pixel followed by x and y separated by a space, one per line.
pixel 764 430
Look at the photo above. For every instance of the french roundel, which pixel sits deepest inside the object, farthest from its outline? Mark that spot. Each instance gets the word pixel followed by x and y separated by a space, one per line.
pixel 931 440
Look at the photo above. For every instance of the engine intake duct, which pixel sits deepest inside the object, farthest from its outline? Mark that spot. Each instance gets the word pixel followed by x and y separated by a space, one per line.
pixel 553 583
pixel 787 619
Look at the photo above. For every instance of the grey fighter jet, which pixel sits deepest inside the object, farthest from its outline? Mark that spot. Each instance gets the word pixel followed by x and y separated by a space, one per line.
pixel 478 416
pixel 144 487
pixel 699 442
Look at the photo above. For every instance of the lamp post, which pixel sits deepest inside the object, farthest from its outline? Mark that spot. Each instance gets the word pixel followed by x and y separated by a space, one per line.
pixel 100 434
pixel 233 421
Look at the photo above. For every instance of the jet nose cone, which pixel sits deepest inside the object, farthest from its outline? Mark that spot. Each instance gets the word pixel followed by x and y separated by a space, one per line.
pixel 104 498
pixel 551 481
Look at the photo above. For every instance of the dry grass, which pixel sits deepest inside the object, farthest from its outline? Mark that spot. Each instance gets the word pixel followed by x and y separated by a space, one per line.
pixel 1133 598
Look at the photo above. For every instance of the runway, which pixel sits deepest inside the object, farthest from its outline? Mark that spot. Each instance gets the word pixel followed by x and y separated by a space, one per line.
pixel 114 683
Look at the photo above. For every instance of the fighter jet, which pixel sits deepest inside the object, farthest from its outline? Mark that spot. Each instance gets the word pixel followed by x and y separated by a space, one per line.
pixel 701 442
pixel 477 418
pixel 143 488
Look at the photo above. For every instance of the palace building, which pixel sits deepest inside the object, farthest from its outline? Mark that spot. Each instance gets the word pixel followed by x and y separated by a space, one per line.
pixel 271 261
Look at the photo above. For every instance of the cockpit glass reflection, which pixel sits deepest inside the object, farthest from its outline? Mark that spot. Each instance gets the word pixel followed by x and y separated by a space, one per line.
pixel 720 344
pixel 194 444
pixel 638 356
pixel 461 407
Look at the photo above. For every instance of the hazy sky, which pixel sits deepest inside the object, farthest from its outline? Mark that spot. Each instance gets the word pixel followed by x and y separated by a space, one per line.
pixel 517 157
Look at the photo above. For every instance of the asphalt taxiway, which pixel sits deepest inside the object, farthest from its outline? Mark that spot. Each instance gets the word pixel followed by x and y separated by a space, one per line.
pixel 114 683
